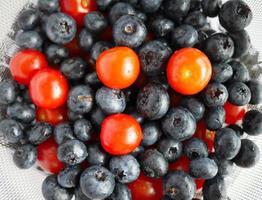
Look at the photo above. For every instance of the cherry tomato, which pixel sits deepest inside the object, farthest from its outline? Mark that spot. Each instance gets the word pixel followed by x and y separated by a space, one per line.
pixel 48 89
pixel 234 113
pixel 47 157
pixel 74 48
pixel 118 67
pixel 145 188
pixel 25 64
pixel 52 116
pixel 199 183
pixel 78 9
pixel 206 135
pixel 189 71
pixel 120 134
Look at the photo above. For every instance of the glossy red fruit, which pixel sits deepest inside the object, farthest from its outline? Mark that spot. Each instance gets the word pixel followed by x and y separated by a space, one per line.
pixel 234 113
pixel 120 134
pixel 52 116
pixel 48 89
pixel 47 157
pixel 145 188
pixel 25 64
pixel 78 9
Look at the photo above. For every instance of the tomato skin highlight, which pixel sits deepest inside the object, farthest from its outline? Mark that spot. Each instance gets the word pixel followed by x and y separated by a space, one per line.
pixel 189 71
pixel 145 188
pixel 52 116
pixel 234 113
pixel 78 9
pixel 48 89
pixel 120 134
pixel 47 157
pixel 25 64
pixel 118 67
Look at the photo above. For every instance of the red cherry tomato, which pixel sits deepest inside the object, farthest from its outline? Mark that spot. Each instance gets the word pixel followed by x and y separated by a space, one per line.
pixel 145 188
pixel 52 116
pixel 78 9
pixel 234 113
pixel 47 157
pixel 118 67
pixel 206 135
pixel 199 183
pixel 120 134
pixel 25 64
pixel 48 89
pixel 189 71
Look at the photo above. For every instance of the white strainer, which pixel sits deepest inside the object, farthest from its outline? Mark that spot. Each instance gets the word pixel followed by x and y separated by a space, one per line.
pixel 18 184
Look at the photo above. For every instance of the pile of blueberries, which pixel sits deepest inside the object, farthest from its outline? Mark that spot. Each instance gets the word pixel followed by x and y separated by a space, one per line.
pixel 174 159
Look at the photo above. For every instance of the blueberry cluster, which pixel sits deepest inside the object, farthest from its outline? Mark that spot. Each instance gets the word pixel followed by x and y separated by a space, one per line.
pixel 175 150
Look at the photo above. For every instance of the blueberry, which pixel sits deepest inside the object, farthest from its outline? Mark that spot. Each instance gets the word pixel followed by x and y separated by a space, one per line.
pixel 215 94
pixel 86 40
pixel 215 189
pixel 141 15
pixel 79 195
pixel 110 100
pixel 74 68
pixel 63 132
pixel 151 133
pixel 29 40
pixel 98 48
pixel 95 22
pixel 129 31
pixel 195 106
pixel 138 151
pixel 153 57
pixel 52 190
pixel 83 129
pixel 74 116
pixel 48 6
pixel 204 168
pixel 28 19
pixel 242 43
pixel 153 163
pixel 39 133
pixel 125 168
pixel 60 28
pixel 225 167
pixel 222 72
pixel 92 79
pixel 227 144
pixel 150 6
pixel 235 15
pixel 248 155
pixel 135 114
pixel 211 7
pixel 120 9
pixel 7 92
pixel 175 9
pixel 196 19
pixel 171 149
pixel 240 71
pixel 219 47
pixel 80 99
pixel 195 148
pixel 195 5
pixel 97 182
pixel 69 177
pixel 162 27
pixel 256 92
pixel 179 123
pixel 215 118
pixel 97 116
pixel 185 36
pixel 55 54
pixel 25 156
pixel 121 192
pixel 10 131
pixel 96 155
pixel 238 130
pixel 21 112
pixel 153 101
pixel 239 94
pixel 72 152
pixel 252 122
pixel 132 2
pixel 179 185
pixel 104 5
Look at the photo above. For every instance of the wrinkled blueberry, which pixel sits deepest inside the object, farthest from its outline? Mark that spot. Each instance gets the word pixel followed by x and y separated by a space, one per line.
pixel 39 133
pixel 74 68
